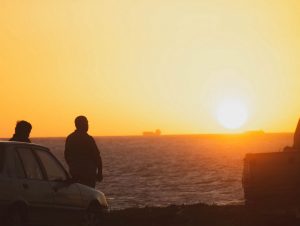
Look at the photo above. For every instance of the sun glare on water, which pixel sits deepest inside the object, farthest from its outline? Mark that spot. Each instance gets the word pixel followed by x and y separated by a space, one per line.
pixel 232 114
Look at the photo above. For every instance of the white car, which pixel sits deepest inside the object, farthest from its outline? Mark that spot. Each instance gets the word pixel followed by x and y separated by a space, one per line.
pixel 35 189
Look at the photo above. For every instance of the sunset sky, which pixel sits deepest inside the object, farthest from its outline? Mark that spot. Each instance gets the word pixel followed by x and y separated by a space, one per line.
pixel 136 65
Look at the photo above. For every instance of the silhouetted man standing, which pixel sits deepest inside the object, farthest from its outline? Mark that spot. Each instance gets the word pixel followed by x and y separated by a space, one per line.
pixel 22 132
pixel 82 154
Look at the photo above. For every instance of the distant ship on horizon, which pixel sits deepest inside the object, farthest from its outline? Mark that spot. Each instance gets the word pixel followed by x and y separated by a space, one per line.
pixel 155 133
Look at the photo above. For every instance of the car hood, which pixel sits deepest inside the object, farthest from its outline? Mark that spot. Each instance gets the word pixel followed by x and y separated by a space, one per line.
pixel 90 194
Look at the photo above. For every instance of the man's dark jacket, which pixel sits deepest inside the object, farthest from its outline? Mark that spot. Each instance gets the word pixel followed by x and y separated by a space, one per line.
pixel 82 155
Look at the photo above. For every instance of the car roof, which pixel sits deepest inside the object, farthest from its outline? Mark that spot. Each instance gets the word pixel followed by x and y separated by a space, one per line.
pixel 9 143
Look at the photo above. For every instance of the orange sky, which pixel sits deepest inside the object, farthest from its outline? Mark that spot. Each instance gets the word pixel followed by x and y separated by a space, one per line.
pixel 131 66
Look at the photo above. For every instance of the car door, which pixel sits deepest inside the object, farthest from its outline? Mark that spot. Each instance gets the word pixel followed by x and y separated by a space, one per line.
pixel 11 172
pixel 36 190
pixel 67 197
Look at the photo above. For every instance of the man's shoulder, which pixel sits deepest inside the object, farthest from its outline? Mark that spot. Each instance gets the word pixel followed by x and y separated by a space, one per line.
pixel 79 135
pixel 90 137
pixel 71 135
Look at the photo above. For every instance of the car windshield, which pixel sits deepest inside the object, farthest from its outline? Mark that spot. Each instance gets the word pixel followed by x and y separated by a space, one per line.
pixel 54 170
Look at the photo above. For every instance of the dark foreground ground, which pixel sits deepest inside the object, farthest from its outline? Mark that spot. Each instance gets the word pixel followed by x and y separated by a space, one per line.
pixel 198 214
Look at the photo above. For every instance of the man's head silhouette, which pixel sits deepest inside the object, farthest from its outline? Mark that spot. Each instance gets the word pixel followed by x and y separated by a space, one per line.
pixel 23 129
pixel 82 123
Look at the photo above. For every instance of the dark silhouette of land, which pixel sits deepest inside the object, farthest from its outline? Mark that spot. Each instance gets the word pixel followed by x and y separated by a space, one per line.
pixel 198 214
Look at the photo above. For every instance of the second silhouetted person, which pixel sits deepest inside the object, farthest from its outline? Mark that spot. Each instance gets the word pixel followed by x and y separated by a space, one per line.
pixel 22 132
pixel 82 155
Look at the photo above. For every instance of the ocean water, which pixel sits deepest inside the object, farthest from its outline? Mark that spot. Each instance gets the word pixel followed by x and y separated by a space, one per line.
pixel 164 170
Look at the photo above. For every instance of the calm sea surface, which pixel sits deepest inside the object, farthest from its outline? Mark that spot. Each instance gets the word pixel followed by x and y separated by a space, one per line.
pixel 158 171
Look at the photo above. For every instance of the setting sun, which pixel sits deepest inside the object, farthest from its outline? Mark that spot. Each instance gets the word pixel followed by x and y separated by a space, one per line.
pixel 232 114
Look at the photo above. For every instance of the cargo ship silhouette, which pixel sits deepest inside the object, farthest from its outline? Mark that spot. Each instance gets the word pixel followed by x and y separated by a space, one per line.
pixel 155 133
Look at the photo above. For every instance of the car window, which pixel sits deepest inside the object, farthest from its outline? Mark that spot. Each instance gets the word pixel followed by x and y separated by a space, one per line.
pixel 12 166
pixel 31 165
pixel 53 169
